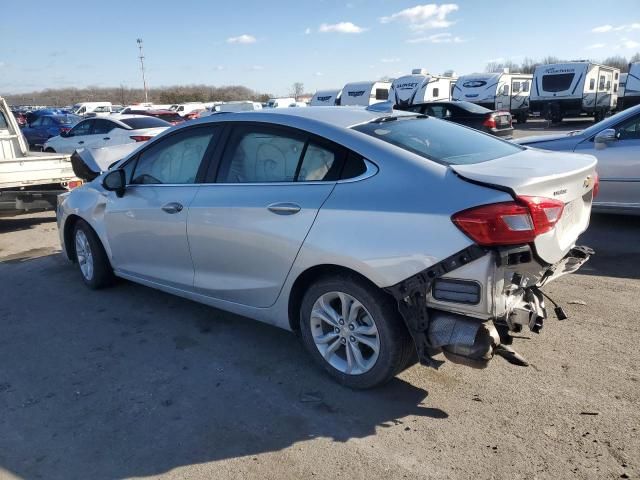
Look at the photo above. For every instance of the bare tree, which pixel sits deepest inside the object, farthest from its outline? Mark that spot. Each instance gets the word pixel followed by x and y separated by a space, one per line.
pixel 297 89
pixel 635 57
pixel 500 66
pixel 617 61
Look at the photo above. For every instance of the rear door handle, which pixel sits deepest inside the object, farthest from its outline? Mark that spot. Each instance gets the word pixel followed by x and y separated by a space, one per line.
pixel 107 138
pixel 173 207
pixel 284 208
pixel 80 142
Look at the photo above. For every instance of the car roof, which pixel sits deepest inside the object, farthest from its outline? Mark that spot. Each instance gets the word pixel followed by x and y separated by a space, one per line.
pixel 344 117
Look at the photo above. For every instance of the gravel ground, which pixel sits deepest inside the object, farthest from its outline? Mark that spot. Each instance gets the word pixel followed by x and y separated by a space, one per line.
pixel 131 382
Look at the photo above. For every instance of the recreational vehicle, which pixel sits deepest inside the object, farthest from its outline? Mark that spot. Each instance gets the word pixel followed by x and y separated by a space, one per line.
pixel 365 93
pixel 496 91
pixel 630 94
pixel 325 98
pixel 570 89
pixel 420 87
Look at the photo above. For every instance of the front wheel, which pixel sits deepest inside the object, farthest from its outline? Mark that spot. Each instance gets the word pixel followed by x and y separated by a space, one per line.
pixel 93 263
pixel 354 331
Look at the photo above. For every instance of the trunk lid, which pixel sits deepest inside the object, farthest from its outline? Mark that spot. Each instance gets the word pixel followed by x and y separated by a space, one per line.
pixel 568 177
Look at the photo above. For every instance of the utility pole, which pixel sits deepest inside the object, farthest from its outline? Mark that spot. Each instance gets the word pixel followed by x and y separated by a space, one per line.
pixel 144 80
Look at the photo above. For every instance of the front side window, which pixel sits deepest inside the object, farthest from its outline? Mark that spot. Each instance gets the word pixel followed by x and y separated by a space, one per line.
pixel 47 121
pixel 442 142
pixel 83 128
pixel 175 159
pixel 630 130
pixel 37 122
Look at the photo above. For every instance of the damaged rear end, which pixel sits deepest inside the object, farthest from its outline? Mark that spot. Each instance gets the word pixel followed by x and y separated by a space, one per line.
pixel 468 305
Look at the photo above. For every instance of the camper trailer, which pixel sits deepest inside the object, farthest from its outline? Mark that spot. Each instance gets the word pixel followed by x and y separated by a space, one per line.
pixel 574 88
pixel 420 87
pixel 280 102
pixel 496 91
pixel 325 98
pixel 629 92
pixel 365 93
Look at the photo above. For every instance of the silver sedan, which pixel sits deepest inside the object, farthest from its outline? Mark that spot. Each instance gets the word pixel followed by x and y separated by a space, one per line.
pixel 382 237
pixel 615 142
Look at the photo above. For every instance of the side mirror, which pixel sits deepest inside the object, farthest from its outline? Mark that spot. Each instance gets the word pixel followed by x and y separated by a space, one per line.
pixel 115 182
pixel 64 134
pixel 606 136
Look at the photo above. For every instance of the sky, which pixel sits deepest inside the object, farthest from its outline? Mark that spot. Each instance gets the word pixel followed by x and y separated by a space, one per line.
pixel 269 45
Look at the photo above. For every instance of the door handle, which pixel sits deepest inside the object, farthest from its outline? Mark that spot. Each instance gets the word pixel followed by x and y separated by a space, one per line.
pixel 80 142
pixel 107 138
pixel 284 208
pixel 173 207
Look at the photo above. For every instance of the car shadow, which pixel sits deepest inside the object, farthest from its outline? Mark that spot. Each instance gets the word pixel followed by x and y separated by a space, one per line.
pixel 14 224
pixel 132 382
pixel 615 239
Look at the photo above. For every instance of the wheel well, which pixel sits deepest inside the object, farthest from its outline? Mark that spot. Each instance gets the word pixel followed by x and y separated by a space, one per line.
pixel 69 245
pixel 50 150
pixel 308 277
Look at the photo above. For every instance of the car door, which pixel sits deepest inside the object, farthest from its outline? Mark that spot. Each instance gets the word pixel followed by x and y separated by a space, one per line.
pixel 618 164
pixel 147 227
pixel 102 133
pixel 77 137
pixel 246 229
pixel 33 132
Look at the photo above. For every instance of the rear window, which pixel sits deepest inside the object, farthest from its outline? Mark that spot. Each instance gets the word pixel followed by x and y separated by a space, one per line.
pixel 146 122
pixel 557 83
pixel 441 141
pixel 66 119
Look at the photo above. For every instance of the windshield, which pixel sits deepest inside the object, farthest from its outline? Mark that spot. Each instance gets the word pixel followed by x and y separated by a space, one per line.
pixel 438 140
pixel 146 122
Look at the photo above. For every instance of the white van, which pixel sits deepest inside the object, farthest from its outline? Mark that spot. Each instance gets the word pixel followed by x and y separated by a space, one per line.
pixel 496 91
pixel 92 109
pixel 280 102
pixel 365 93
pixel 420 87
pixel 570 89
pixel 185 109
pixel 629 93
pixel 325 98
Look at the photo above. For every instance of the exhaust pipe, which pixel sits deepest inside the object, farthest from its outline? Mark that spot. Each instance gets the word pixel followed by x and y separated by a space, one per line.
pixel 463 340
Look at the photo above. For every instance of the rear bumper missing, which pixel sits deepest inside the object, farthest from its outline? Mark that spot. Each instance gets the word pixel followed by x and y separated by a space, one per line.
pixel 473 337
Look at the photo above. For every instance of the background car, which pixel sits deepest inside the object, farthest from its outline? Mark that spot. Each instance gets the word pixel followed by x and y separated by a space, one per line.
pixel 105 132
pixel 496 123
pixel 45 127
pixel 167 115
pixel 344 224
pixel 615 142
pixel 20 117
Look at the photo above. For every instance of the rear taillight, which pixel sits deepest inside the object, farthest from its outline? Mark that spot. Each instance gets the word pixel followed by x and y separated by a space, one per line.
pixel 510 223
pixel 490 122
pixel 596 184
pixel 65 129
pixel 74 184
pixel 140 138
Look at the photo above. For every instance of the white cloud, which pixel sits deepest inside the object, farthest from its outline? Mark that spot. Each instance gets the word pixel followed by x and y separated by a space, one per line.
pixel 307 31
pixel 257 67
pixel 422 17
pixel 602 29
pixel 219 68
pixel 596 46
pixel 2 64
pixel 389 60
pixel 630 44
pixel 341 27
pixel 318 74
pixel 619 28
pixel 437 38
pixel 242 39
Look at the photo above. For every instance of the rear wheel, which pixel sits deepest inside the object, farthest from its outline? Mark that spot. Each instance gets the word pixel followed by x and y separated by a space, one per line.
pixel 522 118
pixel 91 257
pixel 354 331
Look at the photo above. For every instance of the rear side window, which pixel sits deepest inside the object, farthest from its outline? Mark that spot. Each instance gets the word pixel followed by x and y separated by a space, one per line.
pixel 442 142
pixel 101 127
pixel 557 83
pixel 382 94
pixel 144 122
pixel 317 164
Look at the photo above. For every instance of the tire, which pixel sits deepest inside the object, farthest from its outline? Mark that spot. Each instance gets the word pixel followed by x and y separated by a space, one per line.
pixel 91 258
pixel 376 323
pixel 522 118
pixel 50 150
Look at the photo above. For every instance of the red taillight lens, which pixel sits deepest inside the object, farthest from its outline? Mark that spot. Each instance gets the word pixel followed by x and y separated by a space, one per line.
pixel 140 138
pixel 510 223
pixel 64 129
pixel 74 184
pixel 490 122
pixel 596 184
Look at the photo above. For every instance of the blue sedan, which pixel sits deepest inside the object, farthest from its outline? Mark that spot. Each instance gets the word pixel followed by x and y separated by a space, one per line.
pixel 46 126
